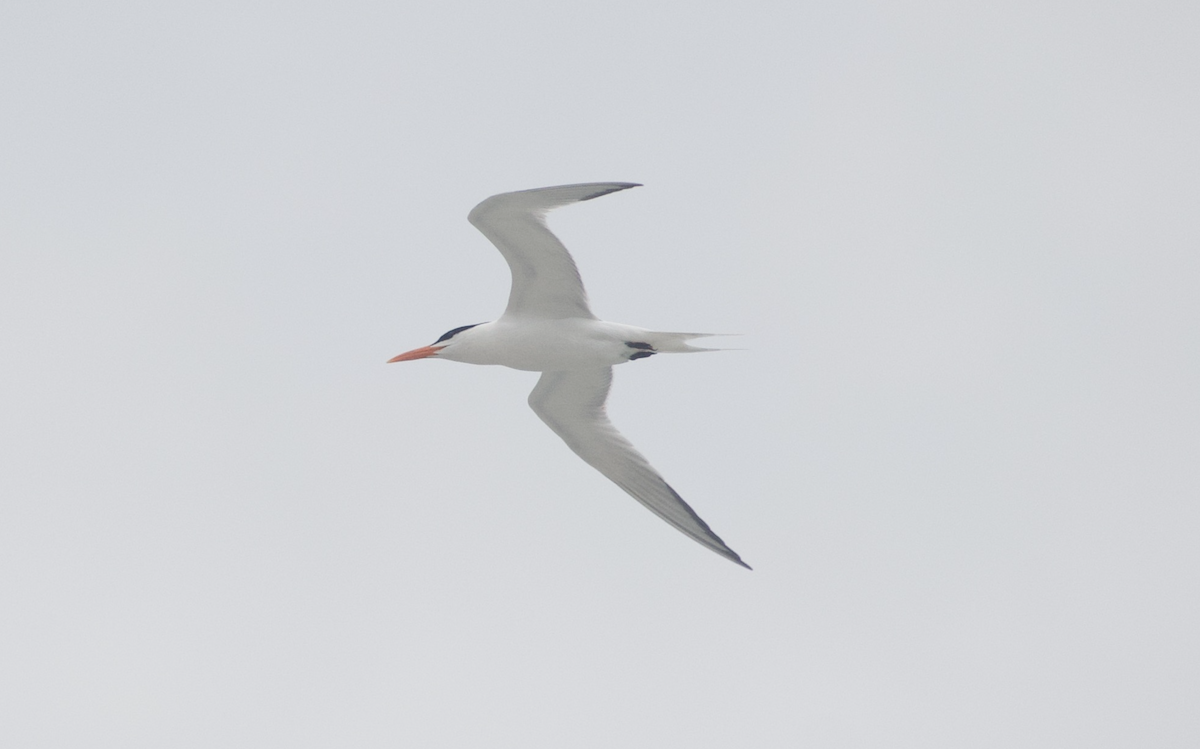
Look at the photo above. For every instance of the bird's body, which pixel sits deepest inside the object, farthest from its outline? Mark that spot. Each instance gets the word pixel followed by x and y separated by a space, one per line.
pixel 539 345
pixel 548 327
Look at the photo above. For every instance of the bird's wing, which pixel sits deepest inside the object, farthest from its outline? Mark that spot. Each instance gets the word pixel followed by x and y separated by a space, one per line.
pixel 545 281
pixel 572 404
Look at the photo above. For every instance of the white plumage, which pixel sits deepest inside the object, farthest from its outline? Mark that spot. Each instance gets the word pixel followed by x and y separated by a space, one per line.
pixel 548 327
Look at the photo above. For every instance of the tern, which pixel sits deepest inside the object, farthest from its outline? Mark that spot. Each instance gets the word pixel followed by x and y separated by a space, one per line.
pixel 548 327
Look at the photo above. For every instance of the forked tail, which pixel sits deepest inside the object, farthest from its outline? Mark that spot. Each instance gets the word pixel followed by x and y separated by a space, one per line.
pixel 677 343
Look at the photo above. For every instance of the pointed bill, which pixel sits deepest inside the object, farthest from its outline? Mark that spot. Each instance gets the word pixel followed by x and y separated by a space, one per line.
pixel 418 353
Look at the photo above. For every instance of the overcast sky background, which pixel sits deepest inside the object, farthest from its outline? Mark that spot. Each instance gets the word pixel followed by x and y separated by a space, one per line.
pixel 960 448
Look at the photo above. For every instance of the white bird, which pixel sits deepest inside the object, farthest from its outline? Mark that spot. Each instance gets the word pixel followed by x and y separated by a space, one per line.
pixel 549 328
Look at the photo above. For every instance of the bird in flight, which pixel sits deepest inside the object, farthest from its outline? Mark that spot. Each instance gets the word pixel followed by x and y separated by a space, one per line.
pixel 549 328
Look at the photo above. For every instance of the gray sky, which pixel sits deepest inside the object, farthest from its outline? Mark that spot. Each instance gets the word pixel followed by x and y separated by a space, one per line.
pixel 960 448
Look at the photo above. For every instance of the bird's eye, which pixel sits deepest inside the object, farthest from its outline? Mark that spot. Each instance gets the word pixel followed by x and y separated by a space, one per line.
pixel 451 333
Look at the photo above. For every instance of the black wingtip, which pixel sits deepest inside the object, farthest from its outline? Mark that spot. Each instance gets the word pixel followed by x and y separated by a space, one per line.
pixel 616 187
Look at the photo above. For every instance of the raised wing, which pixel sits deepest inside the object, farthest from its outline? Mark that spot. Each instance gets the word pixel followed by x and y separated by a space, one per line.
pixel 545 281
pixel 572 404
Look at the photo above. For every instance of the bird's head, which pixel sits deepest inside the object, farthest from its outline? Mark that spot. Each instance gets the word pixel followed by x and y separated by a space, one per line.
pixel 449 339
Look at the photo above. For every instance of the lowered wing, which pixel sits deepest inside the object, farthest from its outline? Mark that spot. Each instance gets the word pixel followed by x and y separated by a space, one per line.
pixel 572 404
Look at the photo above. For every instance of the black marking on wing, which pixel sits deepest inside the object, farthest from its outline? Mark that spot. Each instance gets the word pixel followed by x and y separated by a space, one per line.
pixel 639 344
pixel 641 355
pixel 618 186
pixel 451 333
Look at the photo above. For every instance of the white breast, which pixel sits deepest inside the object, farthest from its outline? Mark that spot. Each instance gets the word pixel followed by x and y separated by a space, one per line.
pixel 540 345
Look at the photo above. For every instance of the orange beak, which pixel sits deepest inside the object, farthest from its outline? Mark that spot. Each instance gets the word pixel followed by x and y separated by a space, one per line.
pixel 418 353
